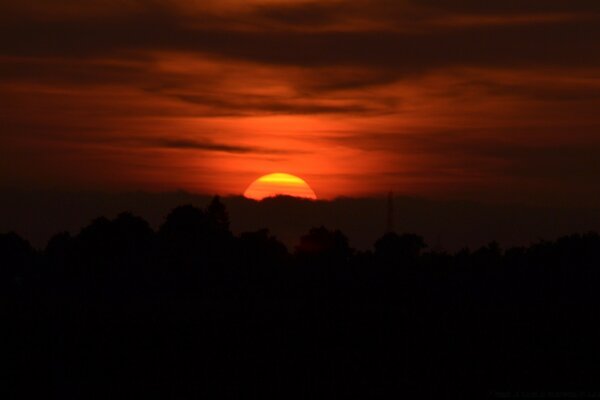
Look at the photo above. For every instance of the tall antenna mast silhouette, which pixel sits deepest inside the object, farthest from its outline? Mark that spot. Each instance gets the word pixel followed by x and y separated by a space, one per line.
pixel 390 213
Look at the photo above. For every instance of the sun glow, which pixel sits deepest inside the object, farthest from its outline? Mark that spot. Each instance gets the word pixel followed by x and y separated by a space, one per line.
pixel 278 184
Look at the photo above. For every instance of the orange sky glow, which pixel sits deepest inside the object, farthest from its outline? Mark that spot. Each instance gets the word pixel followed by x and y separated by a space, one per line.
pixel 439 98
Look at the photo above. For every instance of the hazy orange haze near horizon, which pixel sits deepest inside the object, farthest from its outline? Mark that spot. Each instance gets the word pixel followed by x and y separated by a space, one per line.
pixel 492 101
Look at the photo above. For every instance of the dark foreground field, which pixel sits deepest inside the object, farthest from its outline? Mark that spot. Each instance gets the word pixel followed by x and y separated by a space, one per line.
pixel 192 311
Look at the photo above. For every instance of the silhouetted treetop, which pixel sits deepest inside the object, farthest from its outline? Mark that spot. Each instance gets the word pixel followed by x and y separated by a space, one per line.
pixel 190 234
pixel 185 223
pixel 217 214
pixel 394 248
pixel 261 247
pixel 324 244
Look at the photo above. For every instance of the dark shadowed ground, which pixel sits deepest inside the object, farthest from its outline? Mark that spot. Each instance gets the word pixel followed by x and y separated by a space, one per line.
pixel 191 310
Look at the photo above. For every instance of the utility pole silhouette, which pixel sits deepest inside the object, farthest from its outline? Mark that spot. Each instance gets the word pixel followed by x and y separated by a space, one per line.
pixel 390 213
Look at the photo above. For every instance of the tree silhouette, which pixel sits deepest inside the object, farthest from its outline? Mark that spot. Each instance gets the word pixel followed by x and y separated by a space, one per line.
pixel 16 255
pixel 217 215
pixel 194 311
pixel 323 244
pixel 262 249
pixel 395 249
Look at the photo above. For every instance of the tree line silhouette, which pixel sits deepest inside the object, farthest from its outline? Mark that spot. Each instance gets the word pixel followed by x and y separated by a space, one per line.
pixel 120 310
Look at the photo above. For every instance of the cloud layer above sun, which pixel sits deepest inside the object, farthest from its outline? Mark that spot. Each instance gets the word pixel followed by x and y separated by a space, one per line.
pixel 437 97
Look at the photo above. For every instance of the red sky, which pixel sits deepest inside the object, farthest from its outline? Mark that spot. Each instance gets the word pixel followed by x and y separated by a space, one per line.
pixel 438 98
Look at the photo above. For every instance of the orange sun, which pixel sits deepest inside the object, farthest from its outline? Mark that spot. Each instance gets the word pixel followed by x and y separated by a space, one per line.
pixel 279 184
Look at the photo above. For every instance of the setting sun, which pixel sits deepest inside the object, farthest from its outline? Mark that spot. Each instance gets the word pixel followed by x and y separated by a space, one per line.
pixel 278 184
